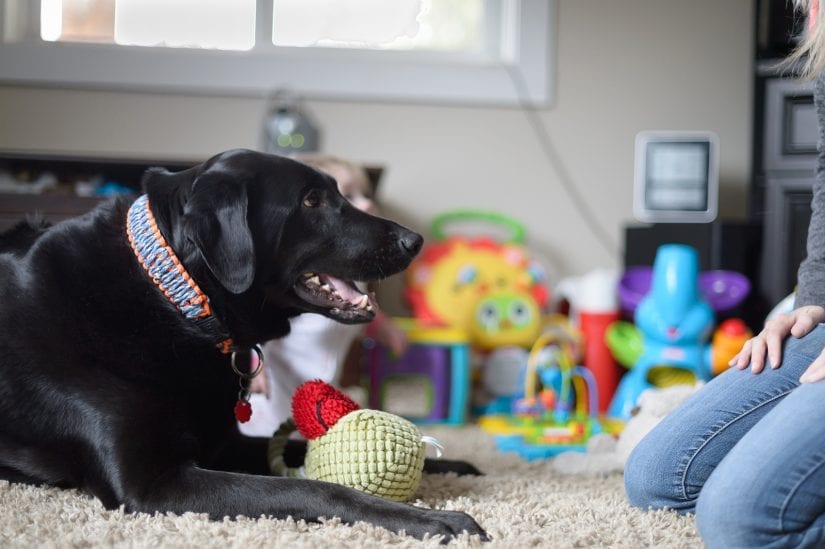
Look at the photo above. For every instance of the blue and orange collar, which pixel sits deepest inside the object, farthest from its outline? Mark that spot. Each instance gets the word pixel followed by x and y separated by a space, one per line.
pixel 169 275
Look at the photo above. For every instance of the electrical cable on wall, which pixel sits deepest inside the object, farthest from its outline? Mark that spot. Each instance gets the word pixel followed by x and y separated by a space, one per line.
pixel 556 163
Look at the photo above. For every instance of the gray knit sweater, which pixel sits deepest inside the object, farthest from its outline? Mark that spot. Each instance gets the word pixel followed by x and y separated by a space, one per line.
pixel 811 277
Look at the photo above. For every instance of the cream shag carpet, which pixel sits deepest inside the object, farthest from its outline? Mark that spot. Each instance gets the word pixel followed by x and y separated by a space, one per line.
pixel 521 504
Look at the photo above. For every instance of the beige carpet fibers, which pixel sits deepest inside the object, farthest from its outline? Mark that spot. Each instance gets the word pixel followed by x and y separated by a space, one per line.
pixel 520 504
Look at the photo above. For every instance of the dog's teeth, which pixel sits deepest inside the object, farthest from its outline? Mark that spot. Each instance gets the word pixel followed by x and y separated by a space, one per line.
pixel 308 275
pixel 364 303
pixel 369 307
pixel 326 287
pixel 314 280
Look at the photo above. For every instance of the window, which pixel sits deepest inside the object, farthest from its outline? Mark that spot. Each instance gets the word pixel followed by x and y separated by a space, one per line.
pixel 215 24
pixel 463 51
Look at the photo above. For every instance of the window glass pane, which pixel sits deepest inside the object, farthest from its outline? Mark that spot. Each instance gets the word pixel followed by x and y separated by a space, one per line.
pixel 220 24
pixel 215 24
pixel 77 20
pixel 443 25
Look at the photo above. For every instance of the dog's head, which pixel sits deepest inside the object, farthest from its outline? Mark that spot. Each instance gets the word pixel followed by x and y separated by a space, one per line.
pixel 264 227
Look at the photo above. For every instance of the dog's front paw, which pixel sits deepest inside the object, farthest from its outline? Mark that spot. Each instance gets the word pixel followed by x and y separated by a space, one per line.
pixel 439 466
pixel 447 524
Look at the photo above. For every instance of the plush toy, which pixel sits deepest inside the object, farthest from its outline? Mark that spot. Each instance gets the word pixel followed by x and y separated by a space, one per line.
pixel 369 450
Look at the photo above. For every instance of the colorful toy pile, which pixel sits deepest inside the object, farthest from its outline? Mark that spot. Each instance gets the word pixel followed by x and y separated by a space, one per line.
pixel 545 383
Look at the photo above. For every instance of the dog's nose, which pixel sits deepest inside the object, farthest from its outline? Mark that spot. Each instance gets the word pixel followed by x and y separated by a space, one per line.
pixel 411 242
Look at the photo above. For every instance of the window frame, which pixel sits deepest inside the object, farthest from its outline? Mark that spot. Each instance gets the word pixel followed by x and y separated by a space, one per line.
pixel 322 73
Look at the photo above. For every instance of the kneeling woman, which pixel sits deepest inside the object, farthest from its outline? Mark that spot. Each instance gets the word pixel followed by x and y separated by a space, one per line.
pixel 746 453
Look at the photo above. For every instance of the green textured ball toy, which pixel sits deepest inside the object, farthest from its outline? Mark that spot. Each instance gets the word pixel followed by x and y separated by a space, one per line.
pixel 369 450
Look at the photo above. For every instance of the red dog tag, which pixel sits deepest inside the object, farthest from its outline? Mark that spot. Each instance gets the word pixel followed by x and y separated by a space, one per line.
pixel 243 411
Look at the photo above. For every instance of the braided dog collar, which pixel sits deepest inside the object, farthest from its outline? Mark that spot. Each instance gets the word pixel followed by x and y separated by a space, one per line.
pixel 169 275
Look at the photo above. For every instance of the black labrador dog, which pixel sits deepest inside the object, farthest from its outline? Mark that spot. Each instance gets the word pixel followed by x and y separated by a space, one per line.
pixel 118 328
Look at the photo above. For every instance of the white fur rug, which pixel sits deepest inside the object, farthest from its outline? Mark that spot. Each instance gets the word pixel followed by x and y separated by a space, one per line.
pixel 520 504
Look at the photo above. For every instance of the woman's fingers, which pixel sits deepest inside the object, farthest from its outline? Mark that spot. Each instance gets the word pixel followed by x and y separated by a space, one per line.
pixel 816 371
pixel 773 340
pixel 806 319
pixel 758 351
pixel 743 357
pixel 766 346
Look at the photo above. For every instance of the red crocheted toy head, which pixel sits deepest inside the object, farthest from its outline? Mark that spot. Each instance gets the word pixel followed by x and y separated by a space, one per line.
pixel 317 406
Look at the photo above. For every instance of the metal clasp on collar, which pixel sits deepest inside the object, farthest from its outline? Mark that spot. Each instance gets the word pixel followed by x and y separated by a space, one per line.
pixel 260 367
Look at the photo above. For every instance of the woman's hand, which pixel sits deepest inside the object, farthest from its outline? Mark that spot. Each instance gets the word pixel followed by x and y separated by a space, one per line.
pixel 768 342
pixel 816 371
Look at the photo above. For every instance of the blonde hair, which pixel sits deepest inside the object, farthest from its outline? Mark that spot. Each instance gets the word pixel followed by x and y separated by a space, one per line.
pixel 811 51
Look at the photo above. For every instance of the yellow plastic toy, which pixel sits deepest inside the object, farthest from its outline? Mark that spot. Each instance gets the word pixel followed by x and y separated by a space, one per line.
pixel 491 290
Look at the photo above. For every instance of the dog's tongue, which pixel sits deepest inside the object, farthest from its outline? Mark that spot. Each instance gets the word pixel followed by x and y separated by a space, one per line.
pixel 347 291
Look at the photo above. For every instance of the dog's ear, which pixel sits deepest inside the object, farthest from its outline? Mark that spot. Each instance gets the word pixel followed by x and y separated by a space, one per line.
pixel 215 220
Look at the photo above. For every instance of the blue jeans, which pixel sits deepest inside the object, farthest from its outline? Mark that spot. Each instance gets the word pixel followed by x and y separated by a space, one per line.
pixel 746 454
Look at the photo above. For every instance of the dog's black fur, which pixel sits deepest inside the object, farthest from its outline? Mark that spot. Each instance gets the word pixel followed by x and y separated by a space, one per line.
pixel 106 386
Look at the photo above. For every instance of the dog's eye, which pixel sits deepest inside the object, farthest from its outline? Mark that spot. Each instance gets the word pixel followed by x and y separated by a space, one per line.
pixel 312 200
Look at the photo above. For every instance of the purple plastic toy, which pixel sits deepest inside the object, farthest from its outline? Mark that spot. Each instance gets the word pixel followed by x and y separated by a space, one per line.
pixel 722 290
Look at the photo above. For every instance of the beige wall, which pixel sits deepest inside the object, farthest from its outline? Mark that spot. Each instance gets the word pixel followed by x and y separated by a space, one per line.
pixel 622 66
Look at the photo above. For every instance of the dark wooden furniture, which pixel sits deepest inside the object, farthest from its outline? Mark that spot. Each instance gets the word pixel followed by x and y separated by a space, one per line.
pixel 784 150
pixel 784 164
pixel 61 202
pixel 53 207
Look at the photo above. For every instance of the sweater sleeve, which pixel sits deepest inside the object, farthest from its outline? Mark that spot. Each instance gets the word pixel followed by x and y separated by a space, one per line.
pixel 811 275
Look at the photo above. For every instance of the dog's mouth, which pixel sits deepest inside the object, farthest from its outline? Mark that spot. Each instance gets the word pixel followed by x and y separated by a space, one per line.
pixel 336 298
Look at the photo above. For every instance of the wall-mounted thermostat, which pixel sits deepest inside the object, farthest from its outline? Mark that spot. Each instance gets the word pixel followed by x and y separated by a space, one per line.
pixel 676 177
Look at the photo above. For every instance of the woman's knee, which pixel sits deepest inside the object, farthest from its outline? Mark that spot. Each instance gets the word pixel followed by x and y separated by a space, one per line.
pixel 651 476
pixel 726 517
pixel 717 527
pixel 638 485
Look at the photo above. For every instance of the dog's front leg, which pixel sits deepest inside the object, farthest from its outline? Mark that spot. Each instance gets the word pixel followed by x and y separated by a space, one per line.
pixel 244 454
pixel 439 466
pixel 221 494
